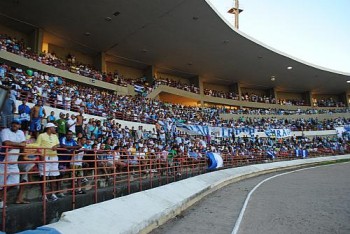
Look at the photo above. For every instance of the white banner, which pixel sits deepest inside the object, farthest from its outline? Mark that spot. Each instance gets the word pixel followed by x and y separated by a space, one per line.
pixel 278 133
pixel 220 131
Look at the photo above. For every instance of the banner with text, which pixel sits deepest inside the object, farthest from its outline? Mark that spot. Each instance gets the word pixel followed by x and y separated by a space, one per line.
pixel 220 131
pixel 278 133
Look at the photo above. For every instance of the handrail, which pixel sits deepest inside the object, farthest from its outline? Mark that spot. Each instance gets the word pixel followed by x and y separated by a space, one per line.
pixel 132 170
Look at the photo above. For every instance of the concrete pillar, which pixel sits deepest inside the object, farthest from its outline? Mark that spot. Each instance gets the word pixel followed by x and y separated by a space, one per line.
pixel 345 98
pixel 272 92
pixel 100 62
pixel 36 40
pixel 236 87
pixel 150 74
pixel 307 96
pixel 198 81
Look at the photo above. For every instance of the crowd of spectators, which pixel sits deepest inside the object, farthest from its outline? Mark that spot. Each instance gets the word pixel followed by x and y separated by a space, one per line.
pixel 221 94
pixel 252 97
pixel 176 84
pixel 274 111
pixel 292 102
pixel 116 148
pixel 248 97
pixel 123 146
pixel 71 64
pixel 329 102
pixel 57 92
pixel 75 140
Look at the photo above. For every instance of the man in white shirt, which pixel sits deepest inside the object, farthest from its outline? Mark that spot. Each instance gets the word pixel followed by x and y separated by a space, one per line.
pixel 15 139
pixel 59 99
pixel 72 123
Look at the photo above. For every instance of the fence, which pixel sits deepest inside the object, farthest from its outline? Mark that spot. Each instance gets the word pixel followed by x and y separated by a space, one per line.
pixel 92 171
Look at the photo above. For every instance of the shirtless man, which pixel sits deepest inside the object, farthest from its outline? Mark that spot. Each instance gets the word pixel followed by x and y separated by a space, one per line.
pixel 79 123
pixel 36 115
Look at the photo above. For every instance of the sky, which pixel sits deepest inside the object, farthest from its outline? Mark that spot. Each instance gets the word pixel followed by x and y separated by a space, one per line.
pixel 315 31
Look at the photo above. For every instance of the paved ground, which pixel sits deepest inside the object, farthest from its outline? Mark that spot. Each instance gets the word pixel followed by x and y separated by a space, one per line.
pixel 310 201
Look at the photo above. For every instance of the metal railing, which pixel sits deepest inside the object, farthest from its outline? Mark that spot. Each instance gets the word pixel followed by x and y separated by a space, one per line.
pixel 113 170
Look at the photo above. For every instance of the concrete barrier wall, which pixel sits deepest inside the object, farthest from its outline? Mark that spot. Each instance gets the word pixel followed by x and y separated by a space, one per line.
pixel 143 211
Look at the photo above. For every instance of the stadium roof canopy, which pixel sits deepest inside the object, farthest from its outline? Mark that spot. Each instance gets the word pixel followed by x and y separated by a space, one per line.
pixel 186 37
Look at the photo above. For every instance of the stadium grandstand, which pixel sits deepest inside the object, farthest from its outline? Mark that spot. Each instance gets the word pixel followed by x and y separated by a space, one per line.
pixel 99 101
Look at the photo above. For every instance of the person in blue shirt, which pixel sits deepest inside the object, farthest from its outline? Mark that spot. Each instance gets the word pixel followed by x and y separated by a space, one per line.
pixel 24 113
pixel 51 79
pixel 59 81
pixel 2 72
pixel 65 156
pixel 51 118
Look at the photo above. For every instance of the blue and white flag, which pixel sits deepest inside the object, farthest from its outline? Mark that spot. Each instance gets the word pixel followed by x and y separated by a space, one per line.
pixel 301 153
pixel 200 130
pixel 215 160
pixel 139 88
pixel 271 154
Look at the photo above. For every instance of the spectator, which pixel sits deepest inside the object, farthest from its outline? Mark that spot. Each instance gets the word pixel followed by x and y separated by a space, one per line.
pixel 71 123
pixel 7 111
pixel 79 123
pixel 71 146
pixel 61 126
pixel 29 155
pixel 51 118
pixel 24 113
pixel 37 114
pixel 15 139
pixel 49 142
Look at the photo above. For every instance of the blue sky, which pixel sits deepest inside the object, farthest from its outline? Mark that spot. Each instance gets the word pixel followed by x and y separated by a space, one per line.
pixel 316 31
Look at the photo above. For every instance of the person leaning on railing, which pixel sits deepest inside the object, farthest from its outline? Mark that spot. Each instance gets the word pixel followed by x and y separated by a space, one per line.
pixel 14 139
pixel 49 168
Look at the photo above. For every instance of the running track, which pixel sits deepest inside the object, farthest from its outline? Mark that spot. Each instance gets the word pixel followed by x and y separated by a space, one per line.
pixel 315 200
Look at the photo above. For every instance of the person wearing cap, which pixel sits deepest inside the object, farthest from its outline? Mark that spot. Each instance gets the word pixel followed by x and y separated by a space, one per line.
pixel 13 138
pixel 49 142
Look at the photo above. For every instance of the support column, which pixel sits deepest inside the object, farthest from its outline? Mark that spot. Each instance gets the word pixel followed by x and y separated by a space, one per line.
pixel 100 62
pixel 198 81
pixel 345 98
pixel 272 92
pixel 150 74
pixel 36 40
pixel 236 87
pixel 308 98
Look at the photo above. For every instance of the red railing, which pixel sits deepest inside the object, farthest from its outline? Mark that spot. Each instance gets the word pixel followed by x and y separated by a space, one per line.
pixel 113 169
